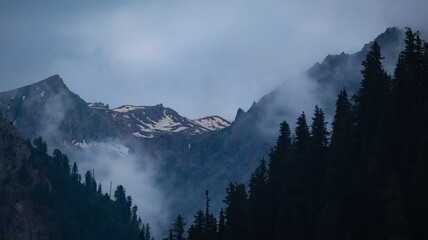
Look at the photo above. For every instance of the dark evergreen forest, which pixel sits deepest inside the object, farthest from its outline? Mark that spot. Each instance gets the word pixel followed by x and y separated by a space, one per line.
pixel 366 179
pixel 76 210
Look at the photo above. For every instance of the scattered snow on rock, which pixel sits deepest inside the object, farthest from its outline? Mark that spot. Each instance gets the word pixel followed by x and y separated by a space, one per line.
pixel 42 94
pixel 137 134
pixel 126 108
pixel 166 123
pixel 213 123
pixel 80 144
pixel 179 129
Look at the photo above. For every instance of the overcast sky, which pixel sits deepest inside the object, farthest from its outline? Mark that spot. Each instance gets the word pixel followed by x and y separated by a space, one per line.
pixel 198 57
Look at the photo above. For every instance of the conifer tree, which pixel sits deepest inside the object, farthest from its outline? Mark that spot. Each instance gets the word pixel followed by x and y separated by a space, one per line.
pixel 210 226
pixel 177 231
pixel 315 169
pixel 301 139
pixel 75 172
pixel 236 212
pixel 258 215
pixel 147 233
pixel 376 177
pixel 410 131
pixel 40 145
pixel 100 190
pixel 298 207
pixel 143 233
pixel 90 182
pixel 221 226
pixel 196 230
pixel 337 211
pixel 279 158
pixel 134 216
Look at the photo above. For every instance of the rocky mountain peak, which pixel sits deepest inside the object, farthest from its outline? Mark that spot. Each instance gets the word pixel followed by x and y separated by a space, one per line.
pixel 213 122
pixel 53 84
pixel 389 40
pixel 239 113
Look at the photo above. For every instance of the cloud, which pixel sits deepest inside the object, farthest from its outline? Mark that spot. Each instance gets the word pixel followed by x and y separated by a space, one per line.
pixel 198 57
pixel 113 163
pixel 114 160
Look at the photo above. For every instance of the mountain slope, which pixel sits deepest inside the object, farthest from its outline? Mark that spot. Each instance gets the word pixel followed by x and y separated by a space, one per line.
pixel 48 108
pixel 232 154
pixel 343 71
pixel 18 218
pixel 152 121
pixel 324 81
pixel 193 154
pixel 213 122
pixel 42 198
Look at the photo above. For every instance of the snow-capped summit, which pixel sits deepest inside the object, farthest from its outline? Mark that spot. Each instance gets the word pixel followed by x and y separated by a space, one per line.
pixel 150 121
pixel 213 122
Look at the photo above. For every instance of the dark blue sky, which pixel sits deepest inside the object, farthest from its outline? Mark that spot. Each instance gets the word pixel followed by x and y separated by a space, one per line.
pixel 198 57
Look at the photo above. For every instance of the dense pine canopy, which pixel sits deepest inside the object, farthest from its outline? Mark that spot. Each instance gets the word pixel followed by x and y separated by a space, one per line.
pixel 368 179
pixel 73 209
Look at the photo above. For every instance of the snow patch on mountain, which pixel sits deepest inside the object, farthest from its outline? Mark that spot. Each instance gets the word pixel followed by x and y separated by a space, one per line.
pixel 213 123
pixel 80 144
pixel 127 108
pixel 150 121
pixel 137 134
pixel 166 123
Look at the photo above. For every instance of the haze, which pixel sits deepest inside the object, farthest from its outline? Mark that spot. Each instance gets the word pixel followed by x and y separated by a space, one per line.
pixel 198 57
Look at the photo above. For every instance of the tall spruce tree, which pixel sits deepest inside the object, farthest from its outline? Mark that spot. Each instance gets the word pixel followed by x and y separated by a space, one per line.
pixel 210 232
pixel 236 212
pixel 278 159
pixel 177 231
pixel 381 208
pixel 301 138
pixel 205 224
pixel 75 172
pixel 315 169
pixel 221 233
pixel 292 216
pixel 410 129
pixel 197 230
pixel 337 211
pixel 258 216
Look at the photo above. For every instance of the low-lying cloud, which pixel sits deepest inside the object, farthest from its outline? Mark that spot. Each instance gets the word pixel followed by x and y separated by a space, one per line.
pixel 198 57
pixel 112 163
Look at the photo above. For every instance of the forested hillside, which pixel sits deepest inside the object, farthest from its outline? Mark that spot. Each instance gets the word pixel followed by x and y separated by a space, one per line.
pixel 42 197
pixel 366 179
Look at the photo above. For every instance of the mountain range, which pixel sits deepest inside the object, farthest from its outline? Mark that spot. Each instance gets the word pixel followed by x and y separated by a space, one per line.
pixel 193 155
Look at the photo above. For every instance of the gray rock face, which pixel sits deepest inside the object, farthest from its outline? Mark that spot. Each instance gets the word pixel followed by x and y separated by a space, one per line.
pixel 153 121
pixel 343 71
pixel 49 109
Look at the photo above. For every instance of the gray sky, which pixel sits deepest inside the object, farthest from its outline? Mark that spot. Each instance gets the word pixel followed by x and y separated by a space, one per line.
pixel 198 57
